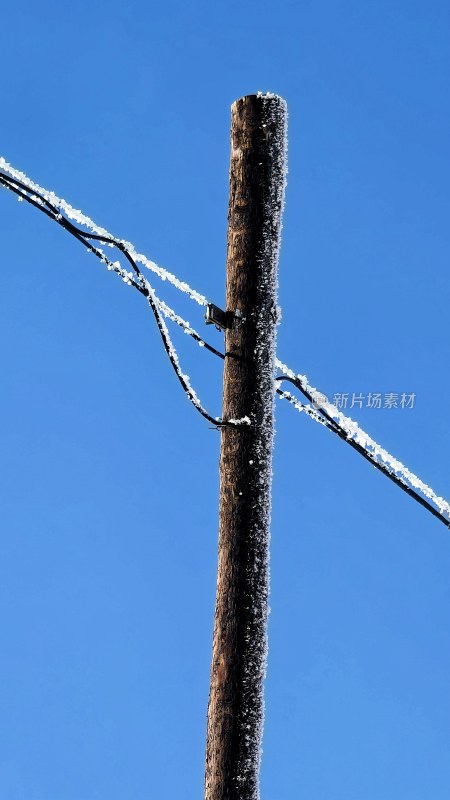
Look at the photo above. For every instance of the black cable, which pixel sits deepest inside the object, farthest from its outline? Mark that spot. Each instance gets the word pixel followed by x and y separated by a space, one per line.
pixel 143 286
pixel 334 426
pixel 75 232
pixel 24 191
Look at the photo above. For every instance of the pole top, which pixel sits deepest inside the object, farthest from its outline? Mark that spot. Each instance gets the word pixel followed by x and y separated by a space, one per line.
pixel 264 97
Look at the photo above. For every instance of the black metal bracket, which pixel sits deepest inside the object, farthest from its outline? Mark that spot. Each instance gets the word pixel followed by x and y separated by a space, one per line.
pixel 221 319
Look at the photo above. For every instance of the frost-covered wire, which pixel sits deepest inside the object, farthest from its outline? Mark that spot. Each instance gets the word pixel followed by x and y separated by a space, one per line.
pixel 302 407
pixel 322 411
pixel 139 282
pixel 53 214
pixel 355 433
pixel 348 430
pixel 79 217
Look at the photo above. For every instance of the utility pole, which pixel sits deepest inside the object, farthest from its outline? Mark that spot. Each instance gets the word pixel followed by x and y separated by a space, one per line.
pixel 236 703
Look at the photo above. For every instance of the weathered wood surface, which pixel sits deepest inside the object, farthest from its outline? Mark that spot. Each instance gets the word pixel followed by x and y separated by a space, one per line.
pixel 235 710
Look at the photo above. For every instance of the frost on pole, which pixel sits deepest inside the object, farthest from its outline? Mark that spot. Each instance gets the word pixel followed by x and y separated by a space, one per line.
pixel 349 426
pixel 236 708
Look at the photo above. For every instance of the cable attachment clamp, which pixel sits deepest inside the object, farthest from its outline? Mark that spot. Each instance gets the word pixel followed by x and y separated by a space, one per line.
pixel 221 319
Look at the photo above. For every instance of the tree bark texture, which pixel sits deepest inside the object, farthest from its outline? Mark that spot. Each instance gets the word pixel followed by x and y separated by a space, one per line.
pixel 236 704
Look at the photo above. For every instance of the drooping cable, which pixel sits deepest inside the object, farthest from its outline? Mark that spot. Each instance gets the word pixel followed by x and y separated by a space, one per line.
pixel 335 421
pixel 71 213
pixel 140 282
pixel 320 415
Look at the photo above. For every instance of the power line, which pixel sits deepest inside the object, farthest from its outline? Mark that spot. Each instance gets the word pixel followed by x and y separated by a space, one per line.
pixel 341 425
pixel 42 203
pixel 321 416
pixel 353 432
pixel 339 431
pixel 51 199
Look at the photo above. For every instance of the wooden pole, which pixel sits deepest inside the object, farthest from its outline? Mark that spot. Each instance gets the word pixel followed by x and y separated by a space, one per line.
pixel 236 705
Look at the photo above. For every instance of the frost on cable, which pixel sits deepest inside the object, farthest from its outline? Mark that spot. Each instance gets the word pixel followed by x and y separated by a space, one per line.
pixel 172 353
pixel 352 431
pixel 82 219
pixel 303 408
pixel 14 183
pixel 356 434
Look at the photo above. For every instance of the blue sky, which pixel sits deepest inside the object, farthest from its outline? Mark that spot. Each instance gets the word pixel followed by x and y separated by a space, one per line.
pixel 108 477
